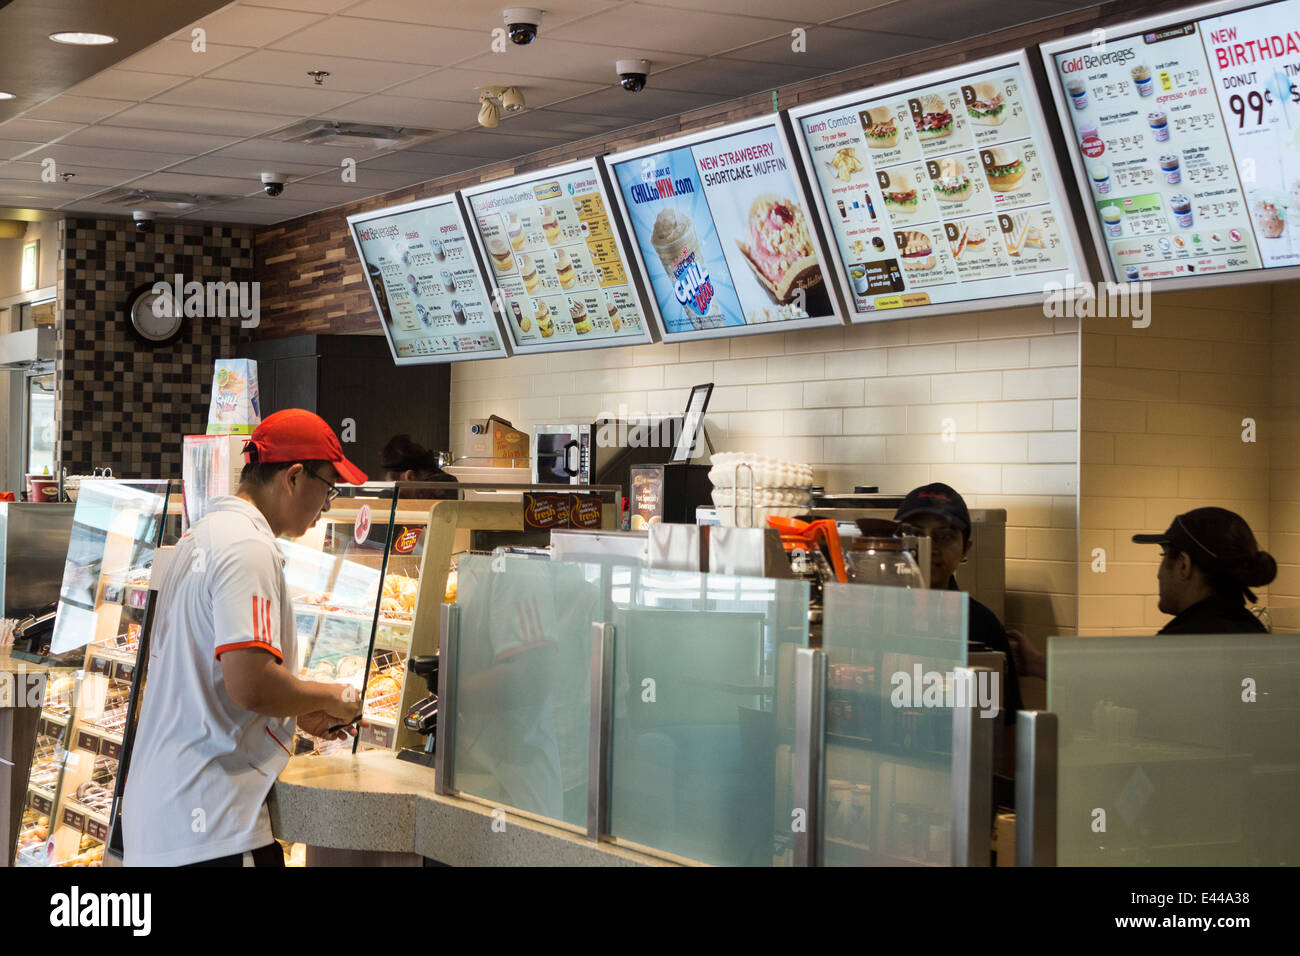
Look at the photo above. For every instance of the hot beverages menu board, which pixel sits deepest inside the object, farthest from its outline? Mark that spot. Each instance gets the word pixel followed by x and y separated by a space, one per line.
pixel 724 234
pixel 551 246
pixel 426 283
pixel 940 190
pixel 1186 139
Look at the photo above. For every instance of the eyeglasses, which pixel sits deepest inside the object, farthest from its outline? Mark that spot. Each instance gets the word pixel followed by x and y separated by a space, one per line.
pixel 333 491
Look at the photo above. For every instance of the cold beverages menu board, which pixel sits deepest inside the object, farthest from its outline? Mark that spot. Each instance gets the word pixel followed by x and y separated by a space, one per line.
pixel 940 190
pixel 426 283
pixel 557 260
pixel 724 234
pixel 1186 139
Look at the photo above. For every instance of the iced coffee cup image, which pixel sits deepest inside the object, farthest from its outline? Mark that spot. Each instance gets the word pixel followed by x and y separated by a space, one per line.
pixel 1142 79
pixel 1169 166
pixel 1100 178
pixel 674 239
pixel 1182 210
pixel 1111 217
pixel 1078 94
pixel 1159 124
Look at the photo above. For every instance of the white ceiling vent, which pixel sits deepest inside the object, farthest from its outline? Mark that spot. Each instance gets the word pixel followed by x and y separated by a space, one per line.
pixel 152 201
pixel 329 133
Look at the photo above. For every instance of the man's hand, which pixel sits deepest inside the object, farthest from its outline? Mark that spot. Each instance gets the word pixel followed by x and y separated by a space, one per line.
pixel 346 703
pixel 318 724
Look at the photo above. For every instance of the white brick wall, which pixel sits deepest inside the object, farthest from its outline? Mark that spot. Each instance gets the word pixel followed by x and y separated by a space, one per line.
pixel 864 405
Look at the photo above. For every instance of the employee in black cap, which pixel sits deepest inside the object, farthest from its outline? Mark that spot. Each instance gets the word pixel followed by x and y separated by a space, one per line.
pixel 938 511
pixel 404 460
pixel 1210 562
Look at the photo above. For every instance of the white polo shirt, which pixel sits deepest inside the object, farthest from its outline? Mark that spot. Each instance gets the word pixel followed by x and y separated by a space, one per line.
pixel 202 766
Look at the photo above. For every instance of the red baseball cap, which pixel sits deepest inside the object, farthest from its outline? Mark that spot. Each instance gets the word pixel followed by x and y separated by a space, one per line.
pixel 296 434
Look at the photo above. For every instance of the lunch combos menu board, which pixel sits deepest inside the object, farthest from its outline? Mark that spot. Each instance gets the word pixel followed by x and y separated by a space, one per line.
pixel 723 234
pixel 426 283
pixel 551 246
pixel 1186 139
pixel 940 190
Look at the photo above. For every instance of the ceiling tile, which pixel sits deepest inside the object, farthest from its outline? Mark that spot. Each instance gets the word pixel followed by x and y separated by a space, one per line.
pixel 458 85
pixel 406 111
pixel 693 31
pixel 830 49
pixel 201 185
pixel 86 175
pixel 76 109
pixel 13 190
pixel 649 104
pixel 309 6
pixel 241 25
pixel 270 150
pixel 957 19
pixel 10 149
pixel 158 116
pixel 263 206
pixel 817 12
pixel 580 62
pixel 424 165
pixel 36 131
pixel 371 178
pixel 303 100
pixel 125 85
pixel 329 194
pixel 221 164
pixel 553 123
pixel 492 144
pixel 167 141
pixel 483 17
pixel 731 77
pixel 72 157
pixel 177 58
pixel 346 74
pixel 404 43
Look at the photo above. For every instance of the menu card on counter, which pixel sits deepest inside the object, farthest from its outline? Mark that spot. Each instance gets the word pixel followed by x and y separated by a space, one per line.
pixel 426 283
pixel 557 260
pixel 723 232
pixel 1186 139
pixel 940 190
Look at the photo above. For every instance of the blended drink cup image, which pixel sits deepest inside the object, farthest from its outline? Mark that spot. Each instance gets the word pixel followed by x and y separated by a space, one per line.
pixel 1087 131
pixel 1110 217
pixel 674 239
pixel 1100 178
pixel 1159 124
pixel 1169 166
pixel 1142 79
pixel 1182 209
pixel 1131 273
pixel 1078 94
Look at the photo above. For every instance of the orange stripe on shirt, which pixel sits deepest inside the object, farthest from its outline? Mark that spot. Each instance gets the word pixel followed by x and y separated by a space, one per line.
pixel 256 635
pixel 277 740
pixel 241 645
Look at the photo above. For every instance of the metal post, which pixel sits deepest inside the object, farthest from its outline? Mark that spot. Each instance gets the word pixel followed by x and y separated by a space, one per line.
pixel 602 709
pixel 972 776
pixel 1036 765
pixel 444 757
pixel 809 743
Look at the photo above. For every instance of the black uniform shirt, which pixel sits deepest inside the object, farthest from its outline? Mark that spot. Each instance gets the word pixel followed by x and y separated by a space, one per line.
pixel 1215 615
pixel 986 629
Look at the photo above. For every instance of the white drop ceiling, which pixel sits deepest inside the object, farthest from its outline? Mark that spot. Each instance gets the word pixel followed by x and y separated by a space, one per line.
pixel 169 119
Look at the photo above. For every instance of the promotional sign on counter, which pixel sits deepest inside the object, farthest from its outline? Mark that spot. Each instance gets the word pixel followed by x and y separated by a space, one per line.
pixel 426 283
pixel 940 191
pixel 723 232
pixel 1186 139
pixel 557 259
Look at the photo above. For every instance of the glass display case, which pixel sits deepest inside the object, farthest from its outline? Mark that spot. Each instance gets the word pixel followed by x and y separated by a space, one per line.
pixel 72 789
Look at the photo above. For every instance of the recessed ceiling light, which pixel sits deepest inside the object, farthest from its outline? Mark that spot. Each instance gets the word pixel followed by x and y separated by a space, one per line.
pixel 83 39
pixel 6 96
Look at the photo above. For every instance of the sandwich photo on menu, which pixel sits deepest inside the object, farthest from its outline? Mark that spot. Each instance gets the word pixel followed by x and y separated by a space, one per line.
pixel 900 197
pixel 878 126
pixel 1003 167
pixel 985 104
pixel 916 249
pixel 780 248
pixel 930 113
pixel 951 184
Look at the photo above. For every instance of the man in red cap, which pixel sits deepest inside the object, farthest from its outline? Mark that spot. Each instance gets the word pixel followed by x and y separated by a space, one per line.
pixel 219 712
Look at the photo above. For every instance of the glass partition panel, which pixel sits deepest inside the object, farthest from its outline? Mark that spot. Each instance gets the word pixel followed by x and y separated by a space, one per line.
pixel 890 691
pixel 1177 750
pixel 522 687
pixel 702 757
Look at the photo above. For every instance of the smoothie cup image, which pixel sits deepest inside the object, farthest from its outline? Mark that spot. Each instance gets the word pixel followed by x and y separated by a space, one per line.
pixel 1110 217
pixel 1159 124
pixel 1182 210
pixel 1078 94
pixel 1169 166
pixel 1142 79
pixel 674 239
pixel 1100 178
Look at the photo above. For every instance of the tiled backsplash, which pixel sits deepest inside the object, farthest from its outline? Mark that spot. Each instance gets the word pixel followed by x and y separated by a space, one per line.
pixel 987 402
pixel 122 403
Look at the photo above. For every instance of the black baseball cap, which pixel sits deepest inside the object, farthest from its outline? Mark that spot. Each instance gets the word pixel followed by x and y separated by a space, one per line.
pixel 936 499
pixel 1221 542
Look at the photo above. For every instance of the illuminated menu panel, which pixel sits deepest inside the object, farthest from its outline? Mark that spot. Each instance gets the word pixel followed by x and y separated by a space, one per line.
pixel 555 256
pixel 426 283
pixel 723 233
pixel 1185 139
pixel 940 191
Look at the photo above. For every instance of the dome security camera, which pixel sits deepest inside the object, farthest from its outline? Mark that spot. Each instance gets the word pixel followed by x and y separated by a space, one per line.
pixel 273 183
pixel 522 24
pixel 632 74
pixel 143 220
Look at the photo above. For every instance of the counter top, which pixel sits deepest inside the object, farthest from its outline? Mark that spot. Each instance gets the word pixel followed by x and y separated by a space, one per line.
pixel 374 802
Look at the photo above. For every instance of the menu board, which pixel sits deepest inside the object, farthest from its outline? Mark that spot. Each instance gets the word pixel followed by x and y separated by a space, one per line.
pixel 1185 137
pixel 557 260
pixel 723 233
pixel 426 283
pixel 940 191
